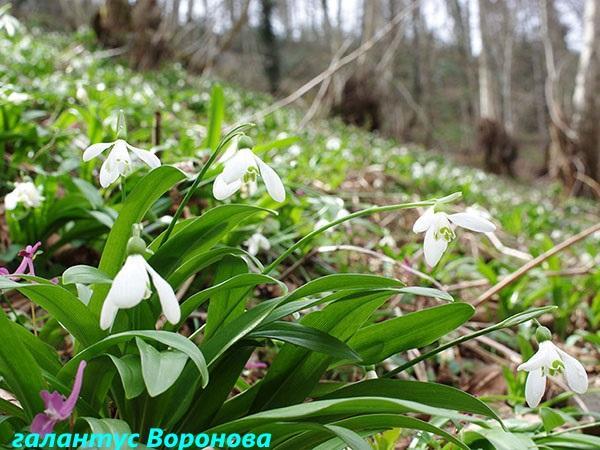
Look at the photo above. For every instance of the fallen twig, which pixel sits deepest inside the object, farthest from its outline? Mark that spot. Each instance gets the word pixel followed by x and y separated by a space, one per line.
pixel 535 262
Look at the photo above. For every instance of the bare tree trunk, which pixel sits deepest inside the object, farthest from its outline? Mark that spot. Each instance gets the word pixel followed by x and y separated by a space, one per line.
pixel 462 30
pixel 586 108
pixel 112 23
pixel 509 32
pixel 190 11
pixel 574 147
pixel 493 140
pixel 327 23
pixel 271 50
pixel 488 108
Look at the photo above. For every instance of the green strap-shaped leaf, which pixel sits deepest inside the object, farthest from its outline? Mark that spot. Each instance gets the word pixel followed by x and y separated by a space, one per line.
pixel 245 280
pixel 367 424
pixel 19 370
pixel 217 112
pixel 198 262
pixel 333 410
pixel 342 281
pixel 85 275
pixel 432 394
pixel 226 304
pixel 138 202
pixel 307 337
pixel 160 369
pixel 173 340
pixel 63 306
pixel 379 341
pixel 296 371
pixel 199 235
pixel 129 368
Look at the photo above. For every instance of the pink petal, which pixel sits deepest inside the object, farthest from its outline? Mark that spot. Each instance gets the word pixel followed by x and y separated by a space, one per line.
pixel 42 424
pixel 69 405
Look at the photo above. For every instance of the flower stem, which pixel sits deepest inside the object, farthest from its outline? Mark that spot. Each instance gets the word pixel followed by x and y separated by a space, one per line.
pixel 361 213
pixel 437 350
pixel 226 139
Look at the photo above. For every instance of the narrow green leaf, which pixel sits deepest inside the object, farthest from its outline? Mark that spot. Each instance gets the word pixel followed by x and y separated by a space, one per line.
pixel 138 202
pixel 226 304
pixel 307 337
pixel 19 370
pixel 160 370
pixel 167 338
pixel 85 275
pixel 296 371
pixel 551 419
pixel 239 281
pixel 130 370
pixel 217 112
pixel 415 330
pixel 432 394
pixel 342 281
pixel 63 306
pixel 198 235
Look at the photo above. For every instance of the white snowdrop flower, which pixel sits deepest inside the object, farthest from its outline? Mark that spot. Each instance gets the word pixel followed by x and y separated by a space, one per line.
pixel 439 230
pixel 26 194
pixel 256 243
pixel 8 23
pixel 100 87
pixel 295 150
pixel 550 360
pixel 118 161
pixel 243 168
pixel 16 98
pixel 132 285
pixel 333 143
pixel 387 241
pixel 416 170
pixel 166 219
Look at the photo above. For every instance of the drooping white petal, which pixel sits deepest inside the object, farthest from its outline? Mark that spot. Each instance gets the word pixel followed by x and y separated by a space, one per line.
pixel 433 248
pixel 108 315
pixel 10 201
pixel 535 387
pixel 472 222
pixel 223 190
pixel 544 357
pixel 146 156
pixel 236 167
pixel 109 172
pixel 119 155
pixel 272 181
pixel 130 285
pixel 231 149
pixel 424 222
pixel 166 296
pixel 575 373
pixel 94 150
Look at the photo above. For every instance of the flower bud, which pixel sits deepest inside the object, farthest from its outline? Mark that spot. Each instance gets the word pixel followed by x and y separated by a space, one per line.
pixel 543 334
pixel 245 142
pixel 136 246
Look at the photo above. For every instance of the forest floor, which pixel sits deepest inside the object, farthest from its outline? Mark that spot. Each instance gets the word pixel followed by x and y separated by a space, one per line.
pixel 73 90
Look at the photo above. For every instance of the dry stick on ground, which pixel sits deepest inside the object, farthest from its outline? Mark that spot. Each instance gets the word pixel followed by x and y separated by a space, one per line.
pixel 482 282
pixel 364 48
pixel 535 262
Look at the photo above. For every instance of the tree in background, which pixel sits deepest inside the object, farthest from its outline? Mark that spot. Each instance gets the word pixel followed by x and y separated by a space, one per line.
pixel 575 141
pixel 270 46
pixel 493 137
